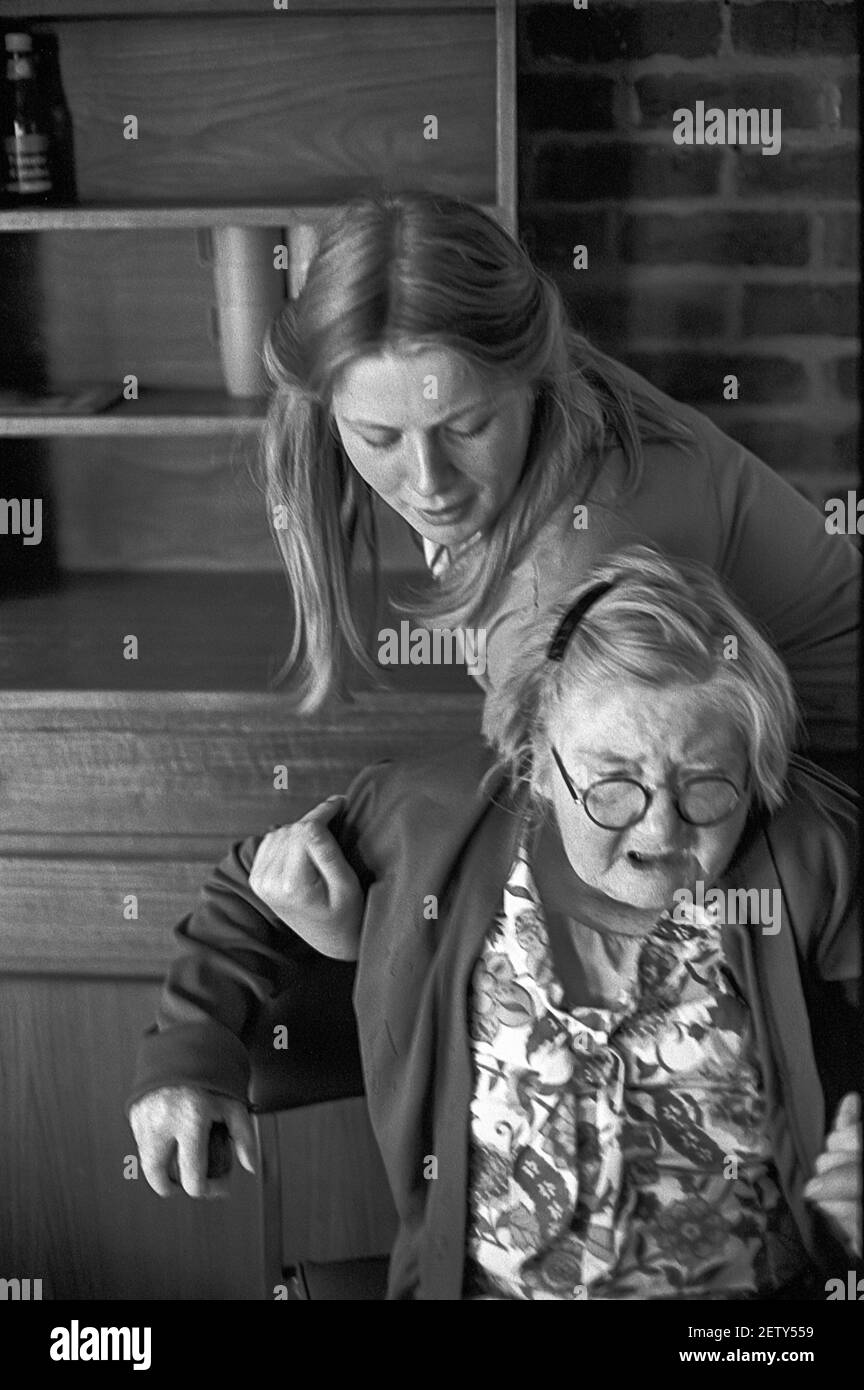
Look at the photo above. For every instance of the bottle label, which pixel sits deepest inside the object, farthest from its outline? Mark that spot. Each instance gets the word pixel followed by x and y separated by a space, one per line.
pixel 27 168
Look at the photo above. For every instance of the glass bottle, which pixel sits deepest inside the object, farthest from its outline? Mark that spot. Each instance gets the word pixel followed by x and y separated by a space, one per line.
pixel 59 120
pixel 26 142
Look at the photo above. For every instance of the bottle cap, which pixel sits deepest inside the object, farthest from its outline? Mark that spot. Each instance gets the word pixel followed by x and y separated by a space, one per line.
pixel 19 43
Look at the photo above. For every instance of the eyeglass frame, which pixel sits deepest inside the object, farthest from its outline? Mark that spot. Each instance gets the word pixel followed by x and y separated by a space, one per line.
pixel 649 793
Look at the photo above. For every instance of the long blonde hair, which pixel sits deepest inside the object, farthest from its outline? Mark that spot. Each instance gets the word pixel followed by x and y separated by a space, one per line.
pixel 394 271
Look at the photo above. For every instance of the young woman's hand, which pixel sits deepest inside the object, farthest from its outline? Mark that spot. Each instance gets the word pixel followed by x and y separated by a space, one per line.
pixel 836 1187
pixel 300 873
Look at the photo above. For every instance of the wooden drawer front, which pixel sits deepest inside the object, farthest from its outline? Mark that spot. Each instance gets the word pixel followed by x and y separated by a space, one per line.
pixel 75 1212
pixel 66 915
pixel 107 797
pixel 167 766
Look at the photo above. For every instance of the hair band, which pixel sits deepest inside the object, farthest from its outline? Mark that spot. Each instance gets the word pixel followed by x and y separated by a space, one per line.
pixel 572 618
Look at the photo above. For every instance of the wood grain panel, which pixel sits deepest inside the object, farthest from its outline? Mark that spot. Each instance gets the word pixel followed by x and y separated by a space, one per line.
pixel 184 504
pixel 71 1218
pixel 66 915
pixel 154 413
pixel 313 108
pixel 154 213
pixel 116 303
pixel 188 504
pixel 193 849
pixel 288 9
pixel 96 772
pixel 68 1215
pixel 196 632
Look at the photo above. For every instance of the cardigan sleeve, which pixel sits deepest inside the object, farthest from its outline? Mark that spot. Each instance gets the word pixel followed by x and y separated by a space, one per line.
pixel 234 955
pixel 836 950
pixel 821 859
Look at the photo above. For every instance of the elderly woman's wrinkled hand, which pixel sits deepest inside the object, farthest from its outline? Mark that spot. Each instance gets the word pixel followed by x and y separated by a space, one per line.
pixel 175 1128
pixel 836 1187
pixel 300 873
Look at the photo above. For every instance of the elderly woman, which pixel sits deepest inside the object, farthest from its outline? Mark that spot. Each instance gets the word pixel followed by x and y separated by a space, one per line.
pixel 427 364
pixel 601 982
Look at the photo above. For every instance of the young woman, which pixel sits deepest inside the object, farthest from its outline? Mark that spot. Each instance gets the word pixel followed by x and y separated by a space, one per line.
pixel 429 364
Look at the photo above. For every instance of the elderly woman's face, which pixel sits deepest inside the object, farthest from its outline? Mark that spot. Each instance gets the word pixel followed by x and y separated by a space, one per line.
pixel 432 441
pixel 659 737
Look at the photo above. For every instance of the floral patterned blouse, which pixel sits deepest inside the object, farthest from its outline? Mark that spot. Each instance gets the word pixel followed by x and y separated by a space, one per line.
pixel 617 1152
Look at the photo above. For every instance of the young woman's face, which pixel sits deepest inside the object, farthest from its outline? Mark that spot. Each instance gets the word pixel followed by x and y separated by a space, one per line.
pixel 659 737
pixel 433 441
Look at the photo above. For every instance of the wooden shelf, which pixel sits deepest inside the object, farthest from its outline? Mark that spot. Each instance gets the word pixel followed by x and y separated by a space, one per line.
pixel 107 217
pixel 197 631
pixel 39 10
pixel 154 413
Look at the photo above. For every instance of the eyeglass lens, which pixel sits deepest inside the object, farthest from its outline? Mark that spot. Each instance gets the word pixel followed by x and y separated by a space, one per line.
pixel 700 801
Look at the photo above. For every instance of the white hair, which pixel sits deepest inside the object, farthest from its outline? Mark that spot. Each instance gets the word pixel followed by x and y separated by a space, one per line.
pixel 662 623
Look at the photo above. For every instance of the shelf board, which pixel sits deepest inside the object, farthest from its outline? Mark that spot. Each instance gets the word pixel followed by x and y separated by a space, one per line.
pixel 107 217
pixel 43 10
pixel 197 631
pixel 193 412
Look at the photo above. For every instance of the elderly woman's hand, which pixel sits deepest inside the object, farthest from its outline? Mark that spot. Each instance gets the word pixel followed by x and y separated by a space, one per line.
pixel 836 1187
pixel 300 873
pixel 175 1128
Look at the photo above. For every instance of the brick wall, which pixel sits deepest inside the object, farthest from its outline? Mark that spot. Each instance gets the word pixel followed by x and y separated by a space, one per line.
pixel 706 260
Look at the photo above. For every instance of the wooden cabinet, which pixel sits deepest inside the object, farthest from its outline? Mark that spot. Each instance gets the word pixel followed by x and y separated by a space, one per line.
pixel 124 780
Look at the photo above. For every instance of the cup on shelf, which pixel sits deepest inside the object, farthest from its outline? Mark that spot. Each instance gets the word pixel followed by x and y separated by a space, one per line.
pixel 249 292
pixel 303 245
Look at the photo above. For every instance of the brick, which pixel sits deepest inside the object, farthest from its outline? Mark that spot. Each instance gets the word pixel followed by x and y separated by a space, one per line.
pixel 602 315
pixel 678 312
pixel 561 101
pixel 606 32
pixel 849 101
pixel 848 377
pixel 827 173
pixel 795 448
pixel 698 376
pixel 674 311
pixel 842 239
pixel 549 237
pixel 720 238
pixel 583 174
pixel 771 309
pixel 804 103
pixel 807 26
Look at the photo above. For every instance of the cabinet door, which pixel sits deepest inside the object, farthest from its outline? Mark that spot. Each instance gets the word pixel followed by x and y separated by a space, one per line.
pixel 303 107
pixel 74 1213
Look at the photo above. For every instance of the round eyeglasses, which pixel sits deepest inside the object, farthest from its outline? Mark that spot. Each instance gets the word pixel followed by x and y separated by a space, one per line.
pixel 615 803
